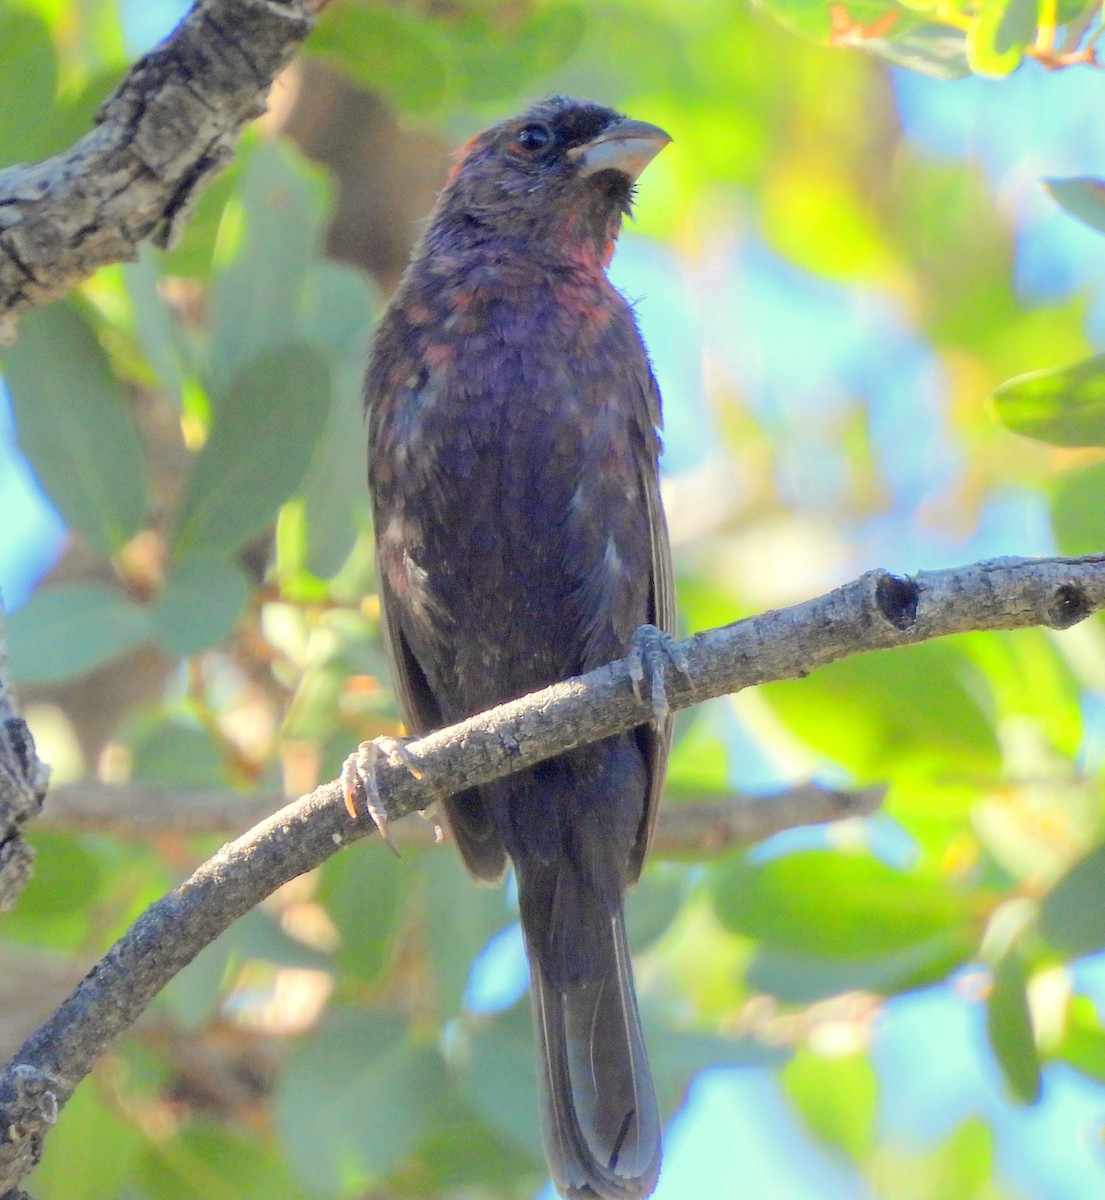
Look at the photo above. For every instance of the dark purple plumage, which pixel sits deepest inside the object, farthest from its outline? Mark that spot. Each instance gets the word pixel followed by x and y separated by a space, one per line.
pixel 520 540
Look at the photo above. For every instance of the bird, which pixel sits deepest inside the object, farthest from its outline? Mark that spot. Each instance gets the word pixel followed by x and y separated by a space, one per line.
pixel 513 440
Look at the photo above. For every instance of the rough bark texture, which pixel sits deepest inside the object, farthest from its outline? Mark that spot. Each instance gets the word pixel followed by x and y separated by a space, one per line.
pixel 22 789
pixel 169 127
pixel 876 611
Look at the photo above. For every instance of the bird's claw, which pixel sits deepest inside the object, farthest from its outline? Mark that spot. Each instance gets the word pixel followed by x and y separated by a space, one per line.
pixel 651 650
pixel 358 780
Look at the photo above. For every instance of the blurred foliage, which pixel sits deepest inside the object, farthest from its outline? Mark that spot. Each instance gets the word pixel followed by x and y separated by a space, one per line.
pixel 195 419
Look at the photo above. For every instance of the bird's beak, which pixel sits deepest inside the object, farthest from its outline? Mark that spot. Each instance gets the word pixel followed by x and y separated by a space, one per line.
pixel 626 146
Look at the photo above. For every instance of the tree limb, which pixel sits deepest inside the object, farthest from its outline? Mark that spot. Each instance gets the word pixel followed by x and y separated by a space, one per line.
pixel 160 137
pixel 876 611
pixel 22 789
pixel 699 825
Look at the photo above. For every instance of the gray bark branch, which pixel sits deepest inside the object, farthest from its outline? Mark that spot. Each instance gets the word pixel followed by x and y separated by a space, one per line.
pixel 160 137
pixel 699 825
pixel 876 611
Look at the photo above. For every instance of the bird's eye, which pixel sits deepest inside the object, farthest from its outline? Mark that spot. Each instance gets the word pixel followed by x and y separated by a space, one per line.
pixel 533 138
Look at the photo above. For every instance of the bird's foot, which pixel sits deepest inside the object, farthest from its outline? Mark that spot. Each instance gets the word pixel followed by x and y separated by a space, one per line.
pixel 652 650
pixel 358 780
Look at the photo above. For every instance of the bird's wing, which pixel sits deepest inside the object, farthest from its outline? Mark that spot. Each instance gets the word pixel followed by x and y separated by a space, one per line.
pixel 655 741
pixel 465 814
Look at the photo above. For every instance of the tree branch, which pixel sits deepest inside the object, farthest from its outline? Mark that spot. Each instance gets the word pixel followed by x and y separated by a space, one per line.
pixel 876 611
pixel 699 825
pixel 160 137
pixel 22 789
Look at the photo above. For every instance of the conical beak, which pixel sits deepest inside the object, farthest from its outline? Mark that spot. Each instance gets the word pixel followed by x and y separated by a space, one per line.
pixel 626 146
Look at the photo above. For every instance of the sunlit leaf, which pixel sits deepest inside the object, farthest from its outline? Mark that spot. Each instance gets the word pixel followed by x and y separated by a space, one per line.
pixel 387 49
pixel 998 35
pixel 1064 406
pixel 1083 1042
pixel 875 909
pixel 1009 1026
pixel 837 1098
pixel 265 428
pixel 934 50
pixel 267 242
pixel 877 713
pixel 29 69
pixel 74 426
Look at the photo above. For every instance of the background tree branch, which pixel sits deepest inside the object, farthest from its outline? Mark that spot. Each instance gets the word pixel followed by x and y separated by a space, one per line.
pixel 164 133
pixel 699 825
pixel 876 611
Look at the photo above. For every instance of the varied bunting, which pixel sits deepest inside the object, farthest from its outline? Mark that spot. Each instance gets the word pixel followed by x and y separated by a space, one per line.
pixel 520 540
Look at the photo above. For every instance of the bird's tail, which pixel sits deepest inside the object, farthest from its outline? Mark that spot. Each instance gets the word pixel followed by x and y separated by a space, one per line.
pixel 598 1105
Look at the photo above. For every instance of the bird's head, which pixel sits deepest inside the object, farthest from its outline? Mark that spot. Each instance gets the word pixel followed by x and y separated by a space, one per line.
pixel 562 173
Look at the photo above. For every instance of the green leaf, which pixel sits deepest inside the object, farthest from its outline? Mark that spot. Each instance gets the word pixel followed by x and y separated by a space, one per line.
pixel 1072 914
pixel 934 50
pixel 387 50
pixel 875 909
pixel 1009 1027
pixel 207 1161
pixel 264 431
pixel 837 1098
pixel 802 978
pixel 65 631
pixel 1078 511
pixel 999 34
pixel 74 426
pixel 355 1100
pixel 1064 406
pixel 185 756
pixel 363 891
pixel 29 69
pixel 193 993
pixel 460 920
pixel 73 115
pixel 654 903
pixel 66 877
pixel 1083 1043
pixel 498 60
pixel 337 315
pixel 1082 198
pixel 192 255
pixel 91 1153
pixel 877 714
pixel 500 1076
pixel 267 241
pixel 203 598
pixel 466 1158
pixel 675 1057
pixel 154 325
